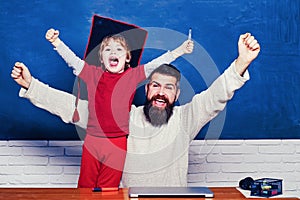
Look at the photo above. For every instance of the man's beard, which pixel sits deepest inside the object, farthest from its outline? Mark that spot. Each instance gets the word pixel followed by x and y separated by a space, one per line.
pixel 157 116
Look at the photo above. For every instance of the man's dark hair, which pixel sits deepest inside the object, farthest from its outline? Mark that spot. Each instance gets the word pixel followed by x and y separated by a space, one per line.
pixel 169 70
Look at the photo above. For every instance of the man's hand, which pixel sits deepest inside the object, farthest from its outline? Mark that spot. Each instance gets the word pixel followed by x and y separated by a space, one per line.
pixel 21 75
pixel 52 36
pixel 185 48
pixel 249 49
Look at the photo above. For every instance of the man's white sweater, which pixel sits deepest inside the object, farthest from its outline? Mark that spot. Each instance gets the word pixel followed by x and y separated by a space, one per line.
pixel 156 156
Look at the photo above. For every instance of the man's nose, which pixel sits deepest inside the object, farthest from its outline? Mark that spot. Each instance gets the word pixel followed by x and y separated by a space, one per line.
pixel 161 90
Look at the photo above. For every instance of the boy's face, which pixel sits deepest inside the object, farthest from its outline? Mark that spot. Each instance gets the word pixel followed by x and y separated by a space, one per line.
pixel 114 56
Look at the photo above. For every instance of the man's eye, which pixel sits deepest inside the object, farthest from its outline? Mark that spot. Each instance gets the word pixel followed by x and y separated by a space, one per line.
pixel 154 85
pixel 169 88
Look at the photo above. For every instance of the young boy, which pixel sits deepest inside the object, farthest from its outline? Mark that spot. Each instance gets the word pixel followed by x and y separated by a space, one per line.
pixel 111 89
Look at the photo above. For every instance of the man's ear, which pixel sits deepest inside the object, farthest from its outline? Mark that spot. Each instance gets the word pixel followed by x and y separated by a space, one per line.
pixel 146 87
pixel 177 94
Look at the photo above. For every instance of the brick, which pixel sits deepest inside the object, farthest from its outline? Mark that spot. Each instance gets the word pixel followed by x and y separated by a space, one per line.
pixel 28 160
pixel 4 179
pixel 71 170
pixel 7 151
pixel 203 168
pixel 11 170
pixel 240 168
pixel 244 149
pixel 263 142
pixel 293 142
pixel 262 158
pixel 28 143
pixel 43 170
pixel 212 184
pixel 43 151
pixel 73 151
pixel 266 167
pixel 3 143
pixel 65 161
pixel 200 177
pixel 198 143
pixel 224 142
pixel 201 149
pixel 224 159
pixel 4 160
pixel 29 179
pixel 227 178
pixel 63 185
pixel 297 167
pixel 291 158
pixel 291 177
pixel 66 143
pixel 195 159
pixel 298 149
pixel 64 179
pixel 277 149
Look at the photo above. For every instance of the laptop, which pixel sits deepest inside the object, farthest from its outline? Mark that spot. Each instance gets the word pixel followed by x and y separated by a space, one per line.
pixel 204 192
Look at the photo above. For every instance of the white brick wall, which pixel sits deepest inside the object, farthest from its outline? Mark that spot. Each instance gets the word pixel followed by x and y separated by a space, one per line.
pixel 39 163
pixel 212 162
pixel 226 162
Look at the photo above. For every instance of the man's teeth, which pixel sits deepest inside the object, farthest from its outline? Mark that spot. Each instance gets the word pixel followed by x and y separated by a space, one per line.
pixel 160 100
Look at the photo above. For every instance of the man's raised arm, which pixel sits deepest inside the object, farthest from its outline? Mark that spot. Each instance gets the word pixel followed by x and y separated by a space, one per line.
pixel 57 102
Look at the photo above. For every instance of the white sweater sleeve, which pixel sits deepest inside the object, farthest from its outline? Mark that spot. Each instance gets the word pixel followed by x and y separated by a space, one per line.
pixel 166 58
pixel 70 58
pixel 57 102
pixel 209 103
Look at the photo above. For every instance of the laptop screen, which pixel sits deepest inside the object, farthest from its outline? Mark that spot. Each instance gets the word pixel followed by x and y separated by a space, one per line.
pixel 170 192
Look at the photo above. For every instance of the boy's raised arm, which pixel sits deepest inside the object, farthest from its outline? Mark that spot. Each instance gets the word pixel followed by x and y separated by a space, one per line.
pixel 52 36
pixel 64 51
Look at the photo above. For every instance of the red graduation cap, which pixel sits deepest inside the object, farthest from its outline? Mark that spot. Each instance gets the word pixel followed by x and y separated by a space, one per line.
pixel 102 27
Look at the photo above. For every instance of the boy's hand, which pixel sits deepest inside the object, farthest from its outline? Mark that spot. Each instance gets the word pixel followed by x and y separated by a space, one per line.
pixel 52 36
pixel 21 75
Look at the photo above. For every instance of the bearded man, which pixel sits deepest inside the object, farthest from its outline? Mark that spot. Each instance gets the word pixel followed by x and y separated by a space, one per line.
pixel 160 133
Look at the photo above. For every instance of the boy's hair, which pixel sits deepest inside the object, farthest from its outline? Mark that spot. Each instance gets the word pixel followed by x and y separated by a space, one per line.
pixel 118 38
pixel 169 70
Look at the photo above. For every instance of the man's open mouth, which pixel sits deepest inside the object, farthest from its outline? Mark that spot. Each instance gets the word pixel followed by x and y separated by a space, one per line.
pixel 160 101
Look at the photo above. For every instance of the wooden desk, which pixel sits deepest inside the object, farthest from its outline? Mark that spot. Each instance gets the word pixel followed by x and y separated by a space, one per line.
pixel 229 193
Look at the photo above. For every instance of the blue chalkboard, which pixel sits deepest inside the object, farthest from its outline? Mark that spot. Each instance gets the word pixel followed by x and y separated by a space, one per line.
pixel 267 107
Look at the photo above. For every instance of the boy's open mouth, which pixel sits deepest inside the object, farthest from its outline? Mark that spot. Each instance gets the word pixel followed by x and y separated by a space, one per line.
pixel 113 61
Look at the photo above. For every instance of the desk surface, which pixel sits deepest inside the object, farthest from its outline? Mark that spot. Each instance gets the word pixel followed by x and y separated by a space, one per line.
pixel 87 194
